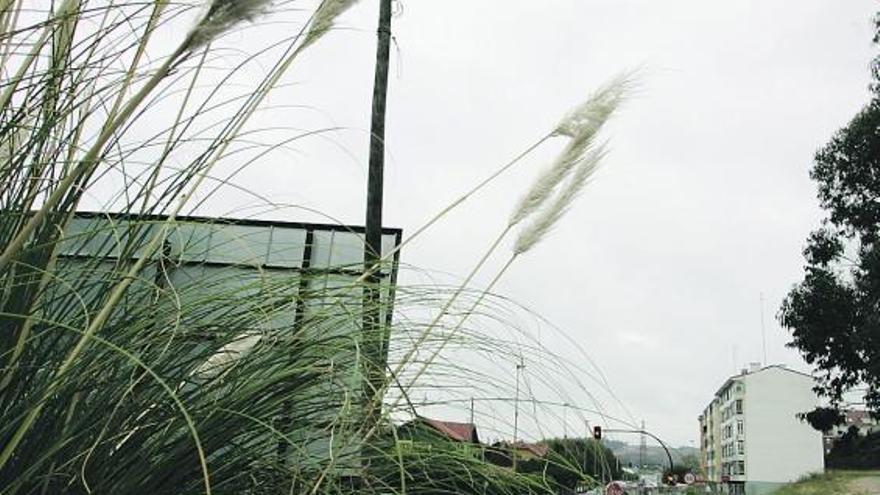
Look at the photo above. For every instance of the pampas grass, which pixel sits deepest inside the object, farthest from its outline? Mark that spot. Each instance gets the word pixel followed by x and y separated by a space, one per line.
pixel 588 117
pixel 544 222
pixel 116 379
pixel 578 162
pixel 547 182
pixel 581 124
pixel 324 19
pixel 222 15
pixel 86 356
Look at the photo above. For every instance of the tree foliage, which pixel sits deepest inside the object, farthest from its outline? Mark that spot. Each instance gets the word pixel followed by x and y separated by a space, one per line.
pixel 832 313
pixel 573 461
pixel 823 418
pixel 854 451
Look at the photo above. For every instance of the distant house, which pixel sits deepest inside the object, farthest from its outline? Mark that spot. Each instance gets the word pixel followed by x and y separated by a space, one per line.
pixel 528 451
pixel 461 432
pixel 424 430
pixel 502 453
pixel 751 440
pixel 859 419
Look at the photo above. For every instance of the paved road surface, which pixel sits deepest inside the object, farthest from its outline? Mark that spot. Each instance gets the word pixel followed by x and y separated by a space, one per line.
pixel 867 485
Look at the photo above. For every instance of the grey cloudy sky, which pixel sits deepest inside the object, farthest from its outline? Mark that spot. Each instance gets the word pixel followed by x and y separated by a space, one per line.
pixel 703 204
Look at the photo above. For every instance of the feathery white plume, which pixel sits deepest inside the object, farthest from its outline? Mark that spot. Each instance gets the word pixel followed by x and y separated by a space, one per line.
pixel 589 116
pixel 223 14
pixel 544 222
pixel 228 355
pixel 582 124
pixel 324 18
pixel 546 183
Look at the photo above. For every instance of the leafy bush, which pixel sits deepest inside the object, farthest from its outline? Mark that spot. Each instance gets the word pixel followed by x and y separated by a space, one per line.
pixel 853 451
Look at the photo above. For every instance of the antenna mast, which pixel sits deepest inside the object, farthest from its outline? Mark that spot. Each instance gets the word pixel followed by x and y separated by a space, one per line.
pixel 763 331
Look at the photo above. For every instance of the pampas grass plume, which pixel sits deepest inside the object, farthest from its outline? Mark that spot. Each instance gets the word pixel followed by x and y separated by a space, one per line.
pixel 581 124
pixel 223 14
pixel 589 116
pixel 228 355
pixel 547 182
pixel 325 17
pixel 547 219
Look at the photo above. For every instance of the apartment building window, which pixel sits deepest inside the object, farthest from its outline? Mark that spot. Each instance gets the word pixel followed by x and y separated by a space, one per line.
pixel 741 447
pixel 739 427
pixel 728 450
pixel 741 467
pixel 739 406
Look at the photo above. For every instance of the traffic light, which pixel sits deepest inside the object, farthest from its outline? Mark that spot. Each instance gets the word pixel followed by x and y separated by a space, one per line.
pixel 597 432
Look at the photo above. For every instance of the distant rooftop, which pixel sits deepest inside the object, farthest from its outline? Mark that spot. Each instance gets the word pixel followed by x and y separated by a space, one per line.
pixel 462 432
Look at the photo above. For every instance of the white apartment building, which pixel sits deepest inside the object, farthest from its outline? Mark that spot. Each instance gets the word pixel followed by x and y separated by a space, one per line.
pixel 751 440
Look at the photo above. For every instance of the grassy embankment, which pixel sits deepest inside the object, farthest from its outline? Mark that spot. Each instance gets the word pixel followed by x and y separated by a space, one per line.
pixel 835 483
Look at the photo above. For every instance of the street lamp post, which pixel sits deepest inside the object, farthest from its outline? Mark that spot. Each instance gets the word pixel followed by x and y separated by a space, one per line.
pixel 519 367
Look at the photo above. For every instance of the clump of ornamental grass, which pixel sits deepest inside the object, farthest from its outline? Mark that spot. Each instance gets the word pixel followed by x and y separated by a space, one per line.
pixel 127 363
pixel 580 124
pixel 549 197
pixel 221 16
pixel 551 194
pixel 113 379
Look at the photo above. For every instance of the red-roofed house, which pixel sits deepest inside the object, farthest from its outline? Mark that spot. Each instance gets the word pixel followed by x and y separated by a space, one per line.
pixel 426 431
pixel 501 453
pixel 462 432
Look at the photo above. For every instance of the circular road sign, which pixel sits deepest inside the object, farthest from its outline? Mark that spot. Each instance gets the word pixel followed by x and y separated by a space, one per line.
pixel 615 488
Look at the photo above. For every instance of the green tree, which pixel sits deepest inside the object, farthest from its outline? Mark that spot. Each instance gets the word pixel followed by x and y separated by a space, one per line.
pixel 573 461
pixel 823 418
pixel 832 313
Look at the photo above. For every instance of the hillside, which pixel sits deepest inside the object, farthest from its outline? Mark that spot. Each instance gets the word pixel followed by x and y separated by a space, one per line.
pixel 654 454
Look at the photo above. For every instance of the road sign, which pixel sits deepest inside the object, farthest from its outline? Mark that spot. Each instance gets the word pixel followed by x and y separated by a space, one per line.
pixel 615 488
pixel 689 478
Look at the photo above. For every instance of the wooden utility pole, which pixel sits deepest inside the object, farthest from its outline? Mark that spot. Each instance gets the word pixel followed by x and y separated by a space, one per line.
pixel 375 332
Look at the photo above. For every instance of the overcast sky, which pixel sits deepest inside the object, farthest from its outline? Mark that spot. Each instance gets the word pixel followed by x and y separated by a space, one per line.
pixel 703 204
